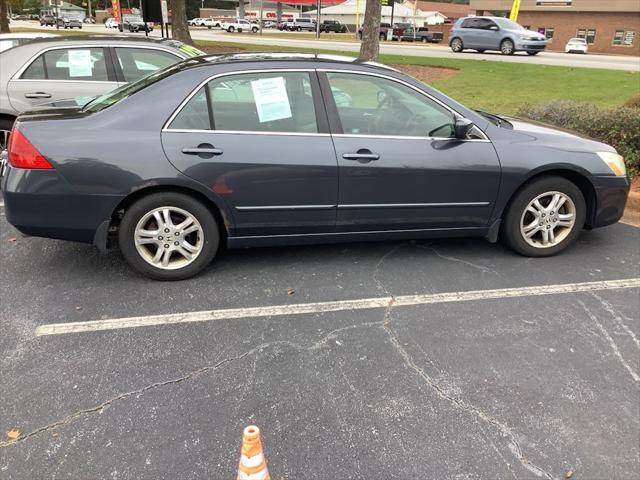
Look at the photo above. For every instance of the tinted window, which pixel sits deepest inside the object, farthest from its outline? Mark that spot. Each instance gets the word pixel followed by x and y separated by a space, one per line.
pixel 194 115
pixel 86 64
pixel 468 23
pixel 138 62
pixel 35 71
pixel 272 102
pixel 370 105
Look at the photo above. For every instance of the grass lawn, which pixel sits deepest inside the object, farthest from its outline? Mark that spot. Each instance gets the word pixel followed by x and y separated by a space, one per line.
pixel 500 87
pixel 503 87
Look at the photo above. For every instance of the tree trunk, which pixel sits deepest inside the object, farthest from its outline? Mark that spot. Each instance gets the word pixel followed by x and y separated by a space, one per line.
pixel 4 23
pixel 370 45
pixel 179 26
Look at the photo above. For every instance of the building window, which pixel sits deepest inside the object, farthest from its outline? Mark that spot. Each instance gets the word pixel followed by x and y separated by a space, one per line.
pixel 624 38
pixel 589 34
pixel 549 33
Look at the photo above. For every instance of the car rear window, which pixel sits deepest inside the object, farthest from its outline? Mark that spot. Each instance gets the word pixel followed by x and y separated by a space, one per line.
pixel 108 99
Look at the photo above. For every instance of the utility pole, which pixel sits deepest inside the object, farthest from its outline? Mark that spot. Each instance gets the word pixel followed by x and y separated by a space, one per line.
pixel 318 5
pixel 89 5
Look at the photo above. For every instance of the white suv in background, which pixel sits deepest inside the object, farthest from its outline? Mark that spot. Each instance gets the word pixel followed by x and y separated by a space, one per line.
pixel 240 25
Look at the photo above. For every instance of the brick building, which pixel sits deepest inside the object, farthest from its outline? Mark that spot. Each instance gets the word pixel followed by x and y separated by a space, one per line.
pixel 609 26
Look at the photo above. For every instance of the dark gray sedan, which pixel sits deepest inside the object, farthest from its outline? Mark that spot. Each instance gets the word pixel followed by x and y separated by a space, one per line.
pixel 256 149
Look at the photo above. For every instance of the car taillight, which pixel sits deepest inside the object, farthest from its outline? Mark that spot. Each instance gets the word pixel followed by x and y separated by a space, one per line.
pixel 24 155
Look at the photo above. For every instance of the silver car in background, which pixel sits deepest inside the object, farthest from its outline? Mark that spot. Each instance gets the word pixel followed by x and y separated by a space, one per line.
pixel 64 71
pixel 495 33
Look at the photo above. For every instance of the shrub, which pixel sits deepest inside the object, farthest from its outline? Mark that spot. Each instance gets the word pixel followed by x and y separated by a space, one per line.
pixel 618 127
pixel 633 102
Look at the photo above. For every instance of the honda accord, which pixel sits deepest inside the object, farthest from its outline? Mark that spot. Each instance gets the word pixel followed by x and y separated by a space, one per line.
pixel 258 149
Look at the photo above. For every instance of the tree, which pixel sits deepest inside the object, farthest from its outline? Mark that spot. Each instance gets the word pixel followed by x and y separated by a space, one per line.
pixel 179 25
pixel 4 21
pixel 370 45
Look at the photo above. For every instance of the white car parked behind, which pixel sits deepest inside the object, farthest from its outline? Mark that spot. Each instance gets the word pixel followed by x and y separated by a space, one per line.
pixel 240 25
pixel 576 45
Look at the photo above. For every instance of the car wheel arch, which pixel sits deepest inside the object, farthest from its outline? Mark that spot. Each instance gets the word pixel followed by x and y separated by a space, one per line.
pixel 219 212
pixel 576 176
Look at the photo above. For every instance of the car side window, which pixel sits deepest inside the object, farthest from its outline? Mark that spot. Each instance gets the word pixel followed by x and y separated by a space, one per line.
pixel 369 105
pixel 87 64
pixel 265 102
pixel 139 62
pixel 35 71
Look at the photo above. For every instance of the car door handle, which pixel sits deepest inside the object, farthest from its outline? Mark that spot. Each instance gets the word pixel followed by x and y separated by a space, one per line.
pixel 199 151
pixel 362 155
pixel 204 150
pixel 37 95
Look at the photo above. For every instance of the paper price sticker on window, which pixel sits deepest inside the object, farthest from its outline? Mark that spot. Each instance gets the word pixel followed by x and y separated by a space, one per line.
pixel 272 101
pixel 80 64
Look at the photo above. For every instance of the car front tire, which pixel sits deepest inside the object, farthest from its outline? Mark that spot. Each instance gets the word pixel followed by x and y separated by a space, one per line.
pixel 544 217
pixel 507 47
pixel 168 236
pixel 532 53
pixel 230 29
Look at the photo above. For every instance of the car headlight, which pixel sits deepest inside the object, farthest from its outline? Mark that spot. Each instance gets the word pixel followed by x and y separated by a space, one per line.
pixel 528 39
pixel 614 161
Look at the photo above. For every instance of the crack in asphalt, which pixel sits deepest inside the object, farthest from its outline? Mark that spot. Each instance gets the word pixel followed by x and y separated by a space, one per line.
pixel 209 368
pixel 514 445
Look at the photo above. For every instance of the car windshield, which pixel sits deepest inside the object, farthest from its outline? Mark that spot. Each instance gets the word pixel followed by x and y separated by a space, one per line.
pixel 114 96
pixel 508 24
pixel 577 40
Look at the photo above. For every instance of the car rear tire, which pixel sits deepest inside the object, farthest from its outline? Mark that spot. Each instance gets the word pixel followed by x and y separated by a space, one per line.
pixel 532 53
pixel 480 50
pixel 230 29
pixel 456 45
pixel 168 236
pixel 544 217
pixel 255 29
pixel 507 47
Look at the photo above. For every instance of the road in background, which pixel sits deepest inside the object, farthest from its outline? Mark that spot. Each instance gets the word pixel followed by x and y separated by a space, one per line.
pixel 613 62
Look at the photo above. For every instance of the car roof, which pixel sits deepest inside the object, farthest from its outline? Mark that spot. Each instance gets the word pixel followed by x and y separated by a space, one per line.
pixel 289 57
pixel 83 39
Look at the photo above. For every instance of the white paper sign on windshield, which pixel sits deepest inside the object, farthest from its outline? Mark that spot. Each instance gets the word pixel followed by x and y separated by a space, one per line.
pixel 80 63
pixel 272 101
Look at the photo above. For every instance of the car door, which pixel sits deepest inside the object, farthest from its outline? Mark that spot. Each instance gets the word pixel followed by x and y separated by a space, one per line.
pixel 133 63
pixel 260 141
pixel 62 77
pixel 488 34
pixel 399 167
pixel 470 33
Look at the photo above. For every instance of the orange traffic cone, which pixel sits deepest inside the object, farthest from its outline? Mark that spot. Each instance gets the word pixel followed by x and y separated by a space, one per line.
pixel 252 466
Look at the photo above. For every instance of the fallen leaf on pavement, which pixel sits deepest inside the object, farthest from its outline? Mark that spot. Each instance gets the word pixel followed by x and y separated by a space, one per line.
pixel 569 474
pixel 290 291
pixel 13 434
pixel 13 239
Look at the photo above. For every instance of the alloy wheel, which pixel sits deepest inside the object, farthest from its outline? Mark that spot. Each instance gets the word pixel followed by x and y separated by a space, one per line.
pixel 548 219
pixel 456 45
pixel 169 238
pixel 506 47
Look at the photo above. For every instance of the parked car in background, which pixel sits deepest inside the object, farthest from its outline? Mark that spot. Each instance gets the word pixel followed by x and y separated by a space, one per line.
pixel 65 22
pixel 576 45
pixel 333 26
pixel 421 34
pixel 300 24
pixel 195 22
pixel 89 20
pixel 399 28
pixel 239 25
pixel 111 23
pixel 10 40
pixel 47 21
pixel 21 17
pixel 494 33
pixel 135 23
pixel 244 151
pixel 71 70
pixel 383 32
pixel 269 24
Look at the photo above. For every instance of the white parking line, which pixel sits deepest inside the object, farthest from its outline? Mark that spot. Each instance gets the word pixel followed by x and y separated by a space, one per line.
pixel 335 306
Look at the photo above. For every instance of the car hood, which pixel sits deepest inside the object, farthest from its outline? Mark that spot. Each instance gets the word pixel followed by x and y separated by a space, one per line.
pixel 558 137
pixel 529 33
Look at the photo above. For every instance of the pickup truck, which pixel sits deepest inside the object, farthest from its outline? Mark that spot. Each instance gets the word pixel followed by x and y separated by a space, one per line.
pixel 421 34
pixel 239 25
pixel 333 26
pixel 382 31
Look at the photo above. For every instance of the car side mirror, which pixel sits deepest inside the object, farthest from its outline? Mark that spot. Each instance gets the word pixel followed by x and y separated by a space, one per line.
pixel 494 28
pixel 462 127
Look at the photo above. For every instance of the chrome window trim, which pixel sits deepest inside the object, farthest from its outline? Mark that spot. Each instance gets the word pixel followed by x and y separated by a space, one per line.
pixel 165 127
pixel 413 87
pixel 18 74
pixel 399 137
pixel 244 132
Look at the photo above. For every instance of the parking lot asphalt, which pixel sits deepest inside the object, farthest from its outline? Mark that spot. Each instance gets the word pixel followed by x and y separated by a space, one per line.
pixel 531 384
